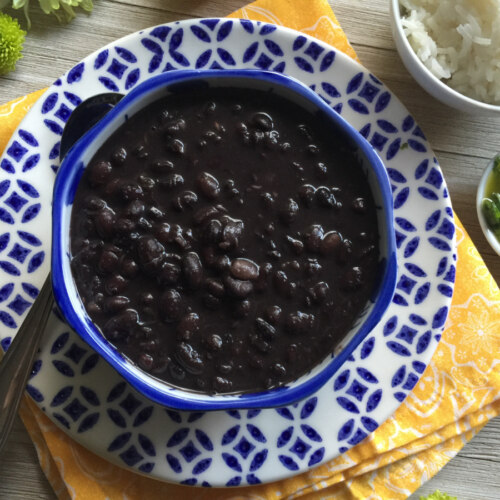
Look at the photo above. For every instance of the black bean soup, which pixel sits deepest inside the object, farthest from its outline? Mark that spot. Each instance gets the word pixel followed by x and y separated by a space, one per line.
pixel 224 240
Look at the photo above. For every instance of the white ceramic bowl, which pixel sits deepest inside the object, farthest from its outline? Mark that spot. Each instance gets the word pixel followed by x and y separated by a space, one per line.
pixel 488 233
pixel 426 79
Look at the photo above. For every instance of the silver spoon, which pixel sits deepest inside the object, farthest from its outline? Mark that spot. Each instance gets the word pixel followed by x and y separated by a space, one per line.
pixel 17 363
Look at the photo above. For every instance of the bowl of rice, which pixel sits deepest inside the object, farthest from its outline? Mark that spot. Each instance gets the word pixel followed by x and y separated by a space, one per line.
pixel 452 49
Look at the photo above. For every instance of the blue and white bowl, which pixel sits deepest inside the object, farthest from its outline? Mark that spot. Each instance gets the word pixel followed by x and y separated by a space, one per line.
pixel 80 155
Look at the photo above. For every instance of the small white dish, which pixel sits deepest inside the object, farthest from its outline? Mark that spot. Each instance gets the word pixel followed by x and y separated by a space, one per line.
pixel 426 79
pixel 481 189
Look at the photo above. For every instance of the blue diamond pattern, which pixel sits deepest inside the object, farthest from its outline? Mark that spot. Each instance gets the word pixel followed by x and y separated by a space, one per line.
pixel 189 452
pixel 130 404
pixel 75 409
pixel 244 447
pixel 300 448
pixel 16 202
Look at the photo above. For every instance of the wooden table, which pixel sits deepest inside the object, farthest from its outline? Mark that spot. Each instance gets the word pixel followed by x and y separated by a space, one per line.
pixel 462 143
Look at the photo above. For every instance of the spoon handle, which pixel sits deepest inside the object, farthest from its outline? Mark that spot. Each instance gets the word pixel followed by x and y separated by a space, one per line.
pixel 17 363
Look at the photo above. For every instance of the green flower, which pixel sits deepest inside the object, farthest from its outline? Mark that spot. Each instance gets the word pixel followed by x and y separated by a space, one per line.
pixel 437 495
pixel 62 9
pixel 11 43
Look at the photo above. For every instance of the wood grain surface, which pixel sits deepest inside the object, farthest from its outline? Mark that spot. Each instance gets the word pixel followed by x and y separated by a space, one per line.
pixel 462 143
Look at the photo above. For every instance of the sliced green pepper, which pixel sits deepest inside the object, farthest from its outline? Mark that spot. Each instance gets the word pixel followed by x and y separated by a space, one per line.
pixel 491 213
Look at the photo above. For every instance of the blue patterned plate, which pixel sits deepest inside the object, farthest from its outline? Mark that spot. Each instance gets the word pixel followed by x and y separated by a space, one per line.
pixel 88 399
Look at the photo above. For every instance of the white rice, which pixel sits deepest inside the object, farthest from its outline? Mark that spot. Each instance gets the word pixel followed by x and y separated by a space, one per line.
pixel 459 41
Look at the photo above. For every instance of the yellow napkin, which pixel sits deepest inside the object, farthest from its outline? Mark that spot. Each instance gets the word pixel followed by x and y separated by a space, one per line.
pixel 452 402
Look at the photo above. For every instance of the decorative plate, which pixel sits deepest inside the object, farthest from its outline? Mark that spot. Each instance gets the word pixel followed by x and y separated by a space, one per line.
pixel 89 400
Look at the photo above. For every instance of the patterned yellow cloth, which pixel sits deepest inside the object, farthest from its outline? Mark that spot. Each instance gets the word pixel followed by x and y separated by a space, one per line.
pixel 452 402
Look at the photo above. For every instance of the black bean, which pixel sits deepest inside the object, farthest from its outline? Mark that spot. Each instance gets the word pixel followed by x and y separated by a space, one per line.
pixel 193 269
pixel 306 194
pixel 359 205
pixel 222 262
pixel 296 245
pixel 289 211
pixel 325 197
pixel 215 287
pixel 169 274
pixel 140 152
pixel 222 384
pixel 331 243
pixel 352 279
pixel 162 166
pixel 244 269
pixel 171 305
pixel 175 126
pixel 135 208
pixel 121 325
pixel 314 237
pixel 154 213
pixel 163 232
pixel 320 170
pixel 263 121
pixel 115 284
pixel 144 224
pixel 345 252
pixel 131 191
pixel 205 214
pixel 105 222
pixel 176 146
pixel 320 291
pixel 224 368
pixel 267 199
pixel 146 298
pixel 238 288
pixel 151 253
pixel 231 233
pixel 212 231
pixel 283 285
pixel 208 185
pixel 118 157
pixel 242 309
pixel 108 262
pixel 214 342
pixel 299 323
pixel 100 173
pixel 93 202
pixel 145 361
pixel 189 358
pixel 268 331
pixel 292 353
pixel 116 303
pixel 273 314
pixel 278 369
pixel 305 131
pixel 185 200
pixel 147 183
pixel 260 344
pixel 312 267
pixel 124 226
pixel 172 181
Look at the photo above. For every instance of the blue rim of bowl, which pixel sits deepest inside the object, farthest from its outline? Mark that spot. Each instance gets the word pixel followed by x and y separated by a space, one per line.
pixel 65 186
pixel 396 10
